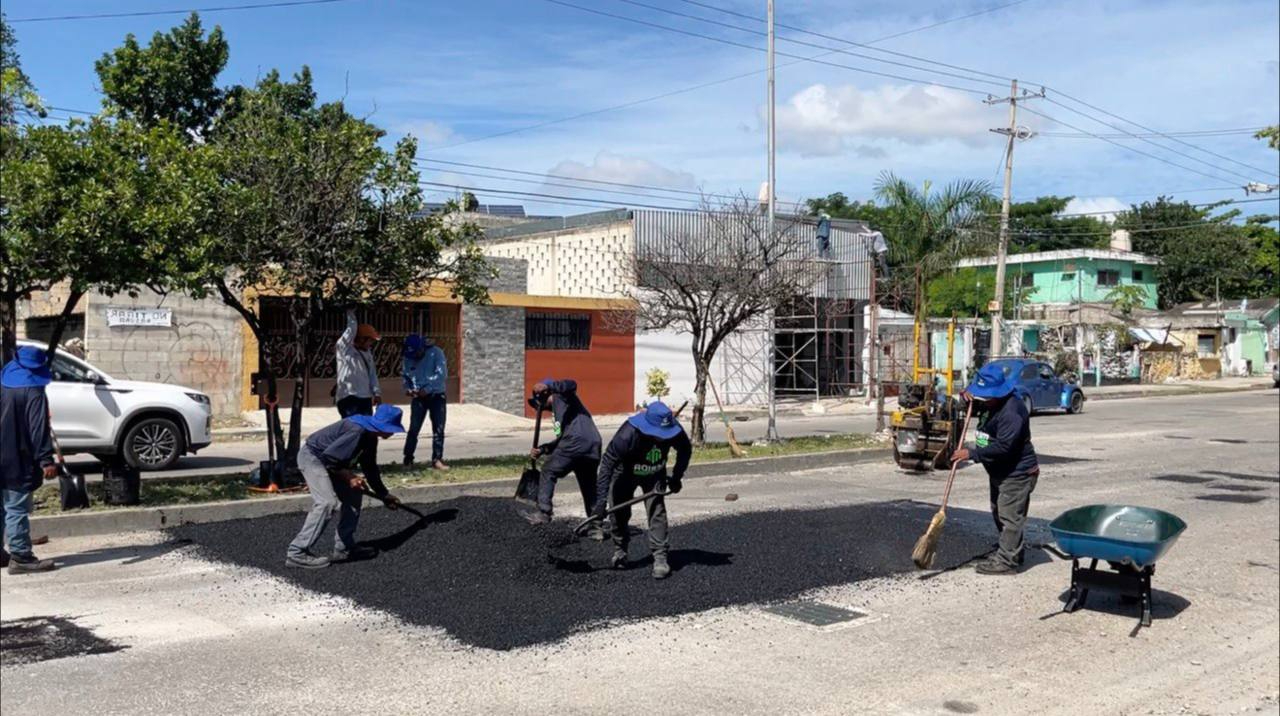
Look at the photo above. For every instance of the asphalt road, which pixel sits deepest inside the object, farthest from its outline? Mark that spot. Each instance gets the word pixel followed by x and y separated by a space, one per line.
pixel 210 636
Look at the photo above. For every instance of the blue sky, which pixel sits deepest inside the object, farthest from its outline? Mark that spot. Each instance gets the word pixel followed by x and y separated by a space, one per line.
pixel 451 72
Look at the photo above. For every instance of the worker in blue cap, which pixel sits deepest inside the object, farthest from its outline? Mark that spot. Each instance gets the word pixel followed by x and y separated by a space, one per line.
pixel 637 458
pixel 26 453
pixel 1003 446
pixel 424 370
pixel 575 447
pixel 327 462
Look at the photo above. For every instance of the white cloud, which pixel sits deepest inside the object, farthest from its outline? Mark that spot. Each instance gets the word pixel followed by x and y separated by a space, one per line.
pixel 823 120
pixel 1094 204
pixel 608 166
pixel 431 134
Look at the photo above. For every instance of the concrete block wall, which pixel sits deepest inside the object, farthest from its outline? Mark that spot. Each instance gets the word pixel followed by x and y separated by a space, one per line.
pixel 202 349
pixel 493 357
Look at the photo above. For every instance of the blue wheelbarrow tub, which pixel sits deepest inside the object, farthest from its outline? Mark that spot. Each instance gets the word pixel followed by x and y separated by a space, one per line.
pixel 1124 534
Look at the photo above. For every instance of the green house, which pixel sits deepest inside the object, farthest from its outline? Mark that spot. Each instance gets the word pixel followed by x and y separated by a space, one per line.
pixel 1074 275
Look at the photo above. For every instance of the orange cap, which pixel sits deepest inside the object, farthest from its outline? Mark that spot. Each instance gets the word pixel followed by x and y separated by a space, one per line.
pixel 367 331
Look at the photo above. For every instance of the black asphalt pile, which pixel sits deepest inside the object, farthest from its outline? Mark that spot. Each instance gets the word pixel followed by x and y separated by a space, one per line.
pixel 27 641
pixel 476 569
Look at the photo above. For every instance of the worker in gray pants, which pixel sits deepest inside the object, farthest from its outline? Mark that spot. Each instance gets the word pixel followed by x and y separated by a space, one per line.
pixel 326 461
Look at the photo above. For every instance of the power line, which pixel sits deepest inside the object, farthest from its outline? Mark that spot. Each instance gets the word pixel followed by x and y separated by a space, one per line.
pixel 1266 172
pixel 732 43
pixel 1189 133
pixel 1153 143
pixel 759 33
pixel 151 13
pixel 563 186
pixel 570 178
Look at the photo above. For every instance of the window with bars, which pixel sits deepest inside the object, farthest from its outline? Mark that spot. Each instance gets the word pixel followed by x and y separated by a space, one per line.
pixel 557 331
pixel 1108 277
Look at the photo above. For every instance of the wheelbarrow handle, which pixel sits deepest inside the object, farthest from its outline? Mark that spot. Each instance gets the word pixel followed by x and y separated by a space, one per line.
pixel 401 506
pixel 596 518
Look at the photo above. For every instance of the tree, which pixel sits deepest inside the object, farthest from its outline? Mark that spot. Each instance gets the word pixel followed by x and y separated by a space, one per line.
pixel 1271 134
pixel 715 274
pixel 314 208
pixel 1202 255
pixel 967 291
pixel 102 205
pixel 1126 298
pixel 174 78
pixel 1037 226
pixel 17 94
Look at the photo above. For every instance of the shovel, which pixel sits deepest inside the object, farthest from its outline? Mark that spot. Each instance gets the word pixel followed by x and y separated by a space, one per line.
pixel 582 526
pixel 401 506
pixel 529 479
pixel 71 490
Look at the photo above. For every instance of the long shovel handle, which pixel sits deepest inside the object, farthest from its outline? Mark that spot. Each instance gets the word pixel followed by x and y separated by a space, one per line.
pixel 537 429
pixel 946 495
pixel 596 518
pixel 401 506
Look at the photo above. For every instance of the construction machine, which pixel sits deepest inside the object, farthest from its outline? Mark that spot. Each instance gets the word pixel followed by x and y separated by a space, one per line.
pixel 925 428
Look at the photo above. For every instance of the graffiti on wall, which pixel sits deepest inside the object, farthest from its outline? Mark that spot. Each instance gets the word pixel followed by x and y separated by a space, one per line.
pixel 194 353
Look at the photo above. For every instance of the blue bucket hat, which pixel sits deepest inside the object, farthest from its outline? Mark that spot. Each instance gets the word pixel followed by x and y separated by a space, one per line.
pixel 28 369
pixel 656 421
pixel 386 419
pixel 992 382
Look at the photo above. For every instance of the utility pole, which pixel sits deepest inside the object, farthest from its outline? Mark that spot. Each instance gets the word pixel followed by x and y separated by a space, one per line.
pixel 771 431
pixel 1012 132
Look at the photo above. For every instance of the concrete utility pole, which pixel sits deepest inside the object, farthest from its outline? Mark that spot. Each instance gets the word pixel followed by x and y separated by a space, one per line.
pixel 1012 132
pixel 771 432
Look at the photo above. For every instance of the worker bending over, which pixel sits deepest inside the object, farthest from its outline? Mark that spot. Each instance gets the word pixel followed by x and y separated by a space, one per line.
pixel 637 458
pixel 326 462
pixel 1004 448
pixel 575 447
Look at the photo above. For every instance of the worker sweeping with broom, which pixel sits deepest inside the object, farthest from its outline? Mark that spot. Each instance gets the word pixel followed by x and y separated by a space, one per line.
pixel 1003 445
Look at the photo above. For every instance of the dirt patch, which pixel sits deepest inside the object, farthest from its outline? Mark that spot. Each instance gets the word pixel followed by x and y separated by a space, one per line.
pixel 27 641
pixel 493 581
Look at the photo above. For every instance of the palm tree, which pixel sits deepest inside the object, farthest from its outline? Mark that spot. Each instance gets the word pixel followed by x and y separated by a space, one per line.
pixel 933 230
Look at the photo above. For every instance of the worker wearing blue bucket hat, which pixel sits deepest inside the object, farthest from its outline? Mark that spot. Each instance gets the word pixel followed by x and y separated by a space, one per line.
pixel 1003 446
pixel 637 458
pixel 327 462
pixel 26 452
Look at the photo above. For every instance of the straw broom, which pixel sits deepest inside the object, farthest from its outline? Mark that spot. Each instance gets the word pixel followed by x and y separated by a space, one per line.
pixel 734 448
pixel 927 546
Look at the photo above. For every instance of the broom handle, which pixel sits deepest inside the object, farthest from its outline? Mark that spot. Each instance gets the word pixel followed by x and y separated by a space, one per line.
pixel 719 407
pixel 946 495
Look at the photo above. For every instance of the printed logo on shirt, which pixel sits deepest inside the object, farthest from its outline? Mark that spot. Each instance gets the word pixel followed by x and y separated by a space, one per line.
pixel 982 439
pixel 655 463
pixel 555 428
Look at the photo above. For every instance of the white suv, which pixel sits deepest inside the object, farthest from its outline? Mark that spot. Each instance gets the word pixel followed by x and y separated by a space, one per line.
pixel 150 425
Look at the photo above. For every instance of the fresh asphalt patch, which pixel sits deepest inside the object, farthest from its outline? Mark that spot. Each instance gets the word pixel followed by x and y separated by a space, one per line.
pixel 476 569
pixel 27 641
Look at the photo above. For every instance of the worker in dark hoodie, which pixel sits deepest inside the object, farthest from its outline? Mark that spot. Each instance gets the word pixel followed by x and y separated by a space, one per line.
pixel 1003 446
pixel 327 462
pixel 637 458
pixel 575 447
pixel 26 453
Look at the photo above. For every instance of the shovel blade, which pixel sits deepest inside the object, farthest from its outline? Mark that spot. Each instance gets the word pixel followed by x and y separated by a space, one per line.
pixel 528 487
pixel 72 492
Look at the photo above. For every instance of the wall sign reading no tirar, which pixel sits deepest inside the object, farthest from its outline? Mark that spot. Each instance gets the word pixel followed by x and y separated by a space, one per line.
pixel 126 316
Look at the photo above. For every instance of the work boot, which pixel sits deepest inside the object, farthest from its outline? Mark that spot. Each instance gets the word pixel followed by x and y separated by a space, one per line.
pixel 29 564
pixel 995 567
pixel 439 465
pixel 4 558
pixel 619 559
pixel 355 554
pixel 306 561
pixel 661 570
pixel 408 461
pixel 538 518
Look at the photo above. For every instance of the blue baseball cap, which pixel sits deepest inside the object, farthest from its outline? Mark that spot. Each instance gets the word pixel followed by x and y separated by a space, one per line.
pixel 656 421
pixel 992 382
pixel 415 345
pixel 28 369
pixel 386 419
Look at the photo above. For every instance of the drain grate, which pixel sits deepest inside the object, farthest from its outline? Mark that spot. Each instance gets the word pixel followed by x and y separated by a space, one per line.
pixel 815 613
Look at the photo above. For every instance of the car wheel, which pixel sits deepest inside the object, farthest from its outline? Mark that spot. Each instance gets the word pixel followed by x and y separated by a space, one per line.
pixel 1026 400
pixel 152 444
pixel 1077 403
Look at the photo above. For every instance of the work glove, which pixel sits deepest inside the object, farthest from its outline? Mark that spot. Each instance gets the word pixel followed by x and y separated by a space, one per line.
pixel 675 485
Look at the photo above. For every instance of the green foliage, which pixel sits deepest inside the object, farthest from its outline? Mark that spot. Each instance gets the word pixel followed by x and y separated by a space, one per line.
pixel 1266 255
pixel 17 94
pixel 173 78
pixel 1036 226
pixel 966 292
pixel 656 383
pixel 1126 298
pixel 1271 134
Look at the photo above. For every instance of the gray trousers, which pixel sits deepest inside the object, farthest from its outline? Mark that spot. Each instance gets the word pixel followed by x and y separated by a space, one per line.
pixel 624 489
pixel 327 497
pixel 1010 503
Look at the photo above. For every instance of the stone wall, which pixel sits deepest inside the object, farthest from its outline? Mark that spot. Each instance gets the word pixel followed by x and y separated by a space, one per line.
pixel 493 344
pixel 202 349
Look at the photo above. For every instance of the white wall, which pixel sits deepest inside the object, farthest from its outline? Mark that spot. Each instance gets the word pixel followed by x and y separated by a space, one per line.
pixel 669 350
pixel 590 262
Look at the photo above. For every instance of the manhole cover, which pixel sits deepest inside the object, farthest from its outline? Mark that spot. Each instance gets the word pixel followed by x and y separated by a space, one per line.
pixel 815 613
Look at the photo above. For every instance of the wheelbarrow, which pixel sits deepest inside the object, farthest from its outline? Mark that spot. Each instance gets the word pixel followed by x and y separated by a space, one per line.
pixel 1130 539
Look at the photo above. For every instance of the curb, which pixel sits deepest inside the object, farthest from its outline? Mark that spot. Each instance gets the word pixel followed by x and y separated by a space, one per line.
pixel 135 519
pixel 1188 390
